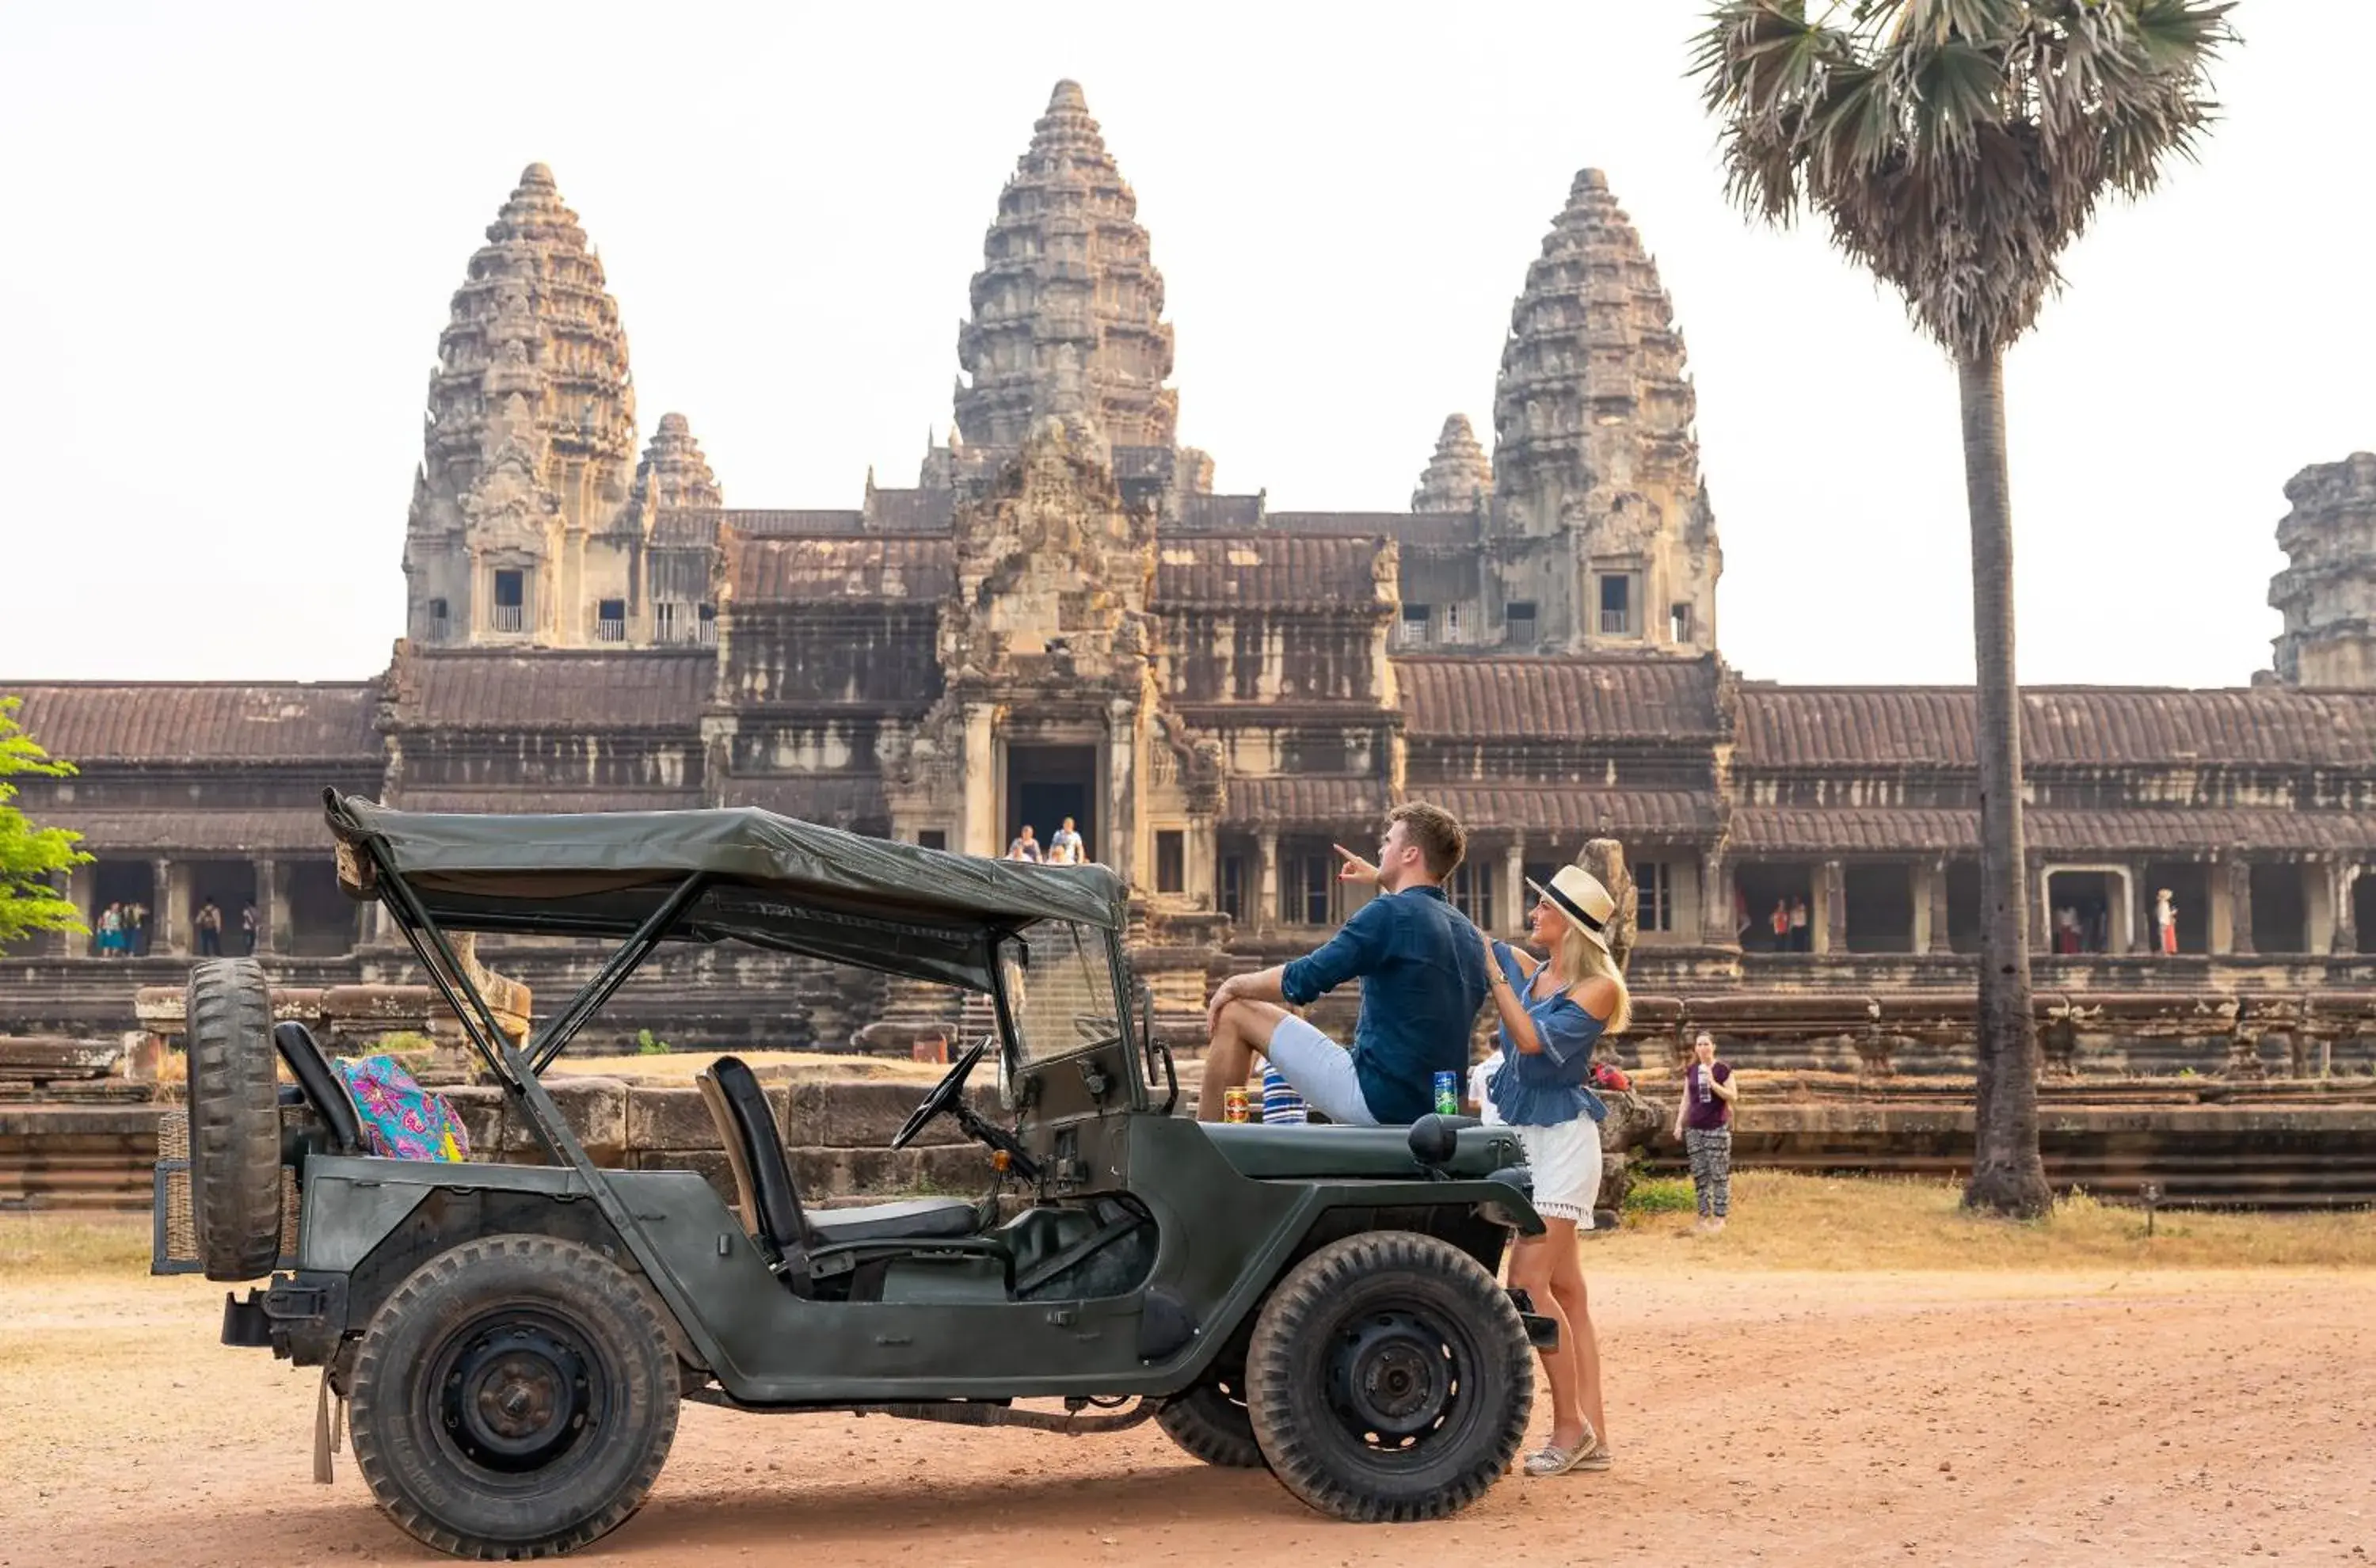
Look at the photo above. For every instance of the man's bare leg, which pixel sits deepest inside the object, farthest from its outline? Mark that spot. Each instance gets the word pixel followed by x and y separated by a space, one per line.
pixel 1243 1033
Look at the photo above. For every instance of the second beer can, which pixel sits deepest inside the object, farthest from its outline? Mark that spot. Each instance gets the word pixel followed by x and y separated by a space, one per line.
pixel 1233 1104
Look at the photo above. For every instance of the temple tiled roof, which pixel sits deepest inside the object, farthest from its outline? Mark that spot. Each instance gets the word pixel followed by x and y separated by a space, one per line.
pixel 1568 809
pixel 528 797
pixel 185 832
pixel 93 722
pixel 809 570
pixel 1305 798
pixel 1217 570
pixel 2180 834
pixel 1577 700
pixel 697 525
pixel 914 511
pixel 837 799
pixel 1918 726
pixel 554 689
pixel 1209 514
pixel 1421 529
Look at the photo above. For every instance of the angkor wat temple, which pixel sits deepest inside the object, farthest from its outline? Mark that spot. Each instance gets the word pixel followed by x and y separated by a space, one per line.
pixel 1062 618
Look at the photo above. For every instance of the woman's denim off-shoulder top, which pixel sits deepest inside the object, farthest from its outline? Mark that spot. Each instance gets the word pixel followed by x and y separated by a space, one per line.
pixel 1546 1090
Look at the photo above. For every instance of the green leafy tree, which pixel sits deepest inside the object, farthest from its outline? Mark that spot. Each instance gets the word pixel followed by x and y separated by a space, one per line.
pixel 1955 148
pixel 30 857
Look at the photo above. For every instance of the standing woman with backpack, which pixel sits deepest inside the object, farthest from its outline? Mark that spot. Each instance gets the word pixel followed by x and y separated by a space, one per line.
pixel 1551 1015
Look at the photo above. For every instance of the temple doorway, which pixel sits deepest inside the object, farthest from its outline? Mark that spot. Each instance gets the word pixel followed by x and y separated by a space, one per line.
pixel 1767 888
pixel 2363 908
pixel 2188 882
pixel 125 883
pixel 1963 905
pixel 2083 913
pixel 229 887
pixel 1880 902
pixel 1047 784
pixel 2280 910
pixel 320 920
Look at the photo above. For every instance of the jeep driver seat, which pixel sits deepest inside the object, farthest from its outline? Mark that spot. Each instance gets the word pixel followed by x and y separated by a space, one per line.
pixel 786 1231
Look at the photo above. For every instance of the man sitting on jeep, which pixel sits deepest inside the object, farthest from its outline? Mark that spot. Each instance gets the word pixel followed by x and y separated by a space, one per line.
pixel 1423 975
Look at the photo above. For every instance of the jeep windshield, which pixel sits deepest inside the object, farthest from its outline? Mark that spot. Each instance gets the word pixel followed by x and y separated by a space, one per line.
pixel 1058 979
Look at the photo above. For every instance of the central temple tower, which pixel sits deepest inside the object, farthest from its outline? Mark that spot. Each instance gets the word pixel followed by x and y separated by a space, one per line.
pixel 1066 279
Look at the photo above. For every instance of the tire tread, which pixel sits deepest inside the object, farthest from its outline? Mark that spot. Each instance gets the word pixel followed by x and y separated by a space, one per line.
pixel 234 1119
pixel 579 1267
pixel 1282 1351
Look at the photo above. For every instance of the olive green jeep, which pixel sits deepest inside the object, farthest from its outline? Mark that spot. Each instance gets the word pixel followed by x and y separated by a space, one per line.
pixel 512 1342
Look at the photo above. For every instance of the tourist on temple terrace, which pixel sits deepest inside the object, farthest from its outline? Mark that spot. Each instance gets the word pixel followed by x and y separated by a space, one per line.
pixel 1423 975
pixel 1065 848
pixel 1704 1122
pixel 1551 1015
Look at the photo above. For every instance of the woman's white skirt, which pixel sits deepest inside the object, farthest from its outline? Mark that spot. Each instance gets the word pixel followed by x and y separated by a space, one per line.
pixel 1566 1164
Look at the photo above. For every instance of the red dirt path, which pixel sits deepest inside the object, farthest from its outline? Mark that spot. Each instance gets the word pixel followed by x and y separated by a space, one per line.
pixel 1981 1419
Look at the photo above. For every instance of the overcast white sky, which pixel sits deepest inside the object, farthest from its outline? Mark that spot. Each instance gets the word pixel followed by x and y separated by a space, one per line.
pixel 229 235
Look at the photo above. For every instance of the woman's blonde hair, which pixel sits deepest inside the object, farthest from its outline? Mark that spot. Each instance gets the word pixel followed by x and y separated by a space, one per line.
pixel 1581 959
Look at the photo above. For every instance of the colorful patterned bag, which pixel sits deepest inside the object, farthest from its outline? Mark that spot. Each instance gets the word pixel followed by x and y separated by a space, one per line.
pixel 400 1119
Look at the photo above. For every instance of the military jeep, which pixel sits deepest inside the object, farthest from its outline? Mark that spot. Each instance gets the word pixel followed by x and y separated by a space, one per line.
pixel 512 1342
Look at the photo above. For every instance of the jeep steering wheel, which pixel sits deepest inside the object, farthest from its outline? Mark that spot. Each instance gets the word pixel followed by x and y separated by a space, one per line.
pixel 949 1092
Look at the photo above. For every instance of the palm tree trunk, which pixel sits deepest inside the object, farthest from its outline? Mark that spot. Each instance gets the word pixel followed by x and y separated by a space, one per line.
pixel 2007 1174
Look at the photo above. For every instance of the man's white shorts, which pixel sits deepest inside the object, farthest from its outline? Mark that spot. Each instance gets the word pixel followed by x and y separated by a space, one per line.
pixel 1566 1164
pixel 1321 1071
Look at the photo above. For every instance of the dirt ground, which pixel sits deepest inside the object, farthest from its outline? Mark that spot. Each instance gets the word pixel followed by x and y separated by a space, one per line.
pixel 1981 1417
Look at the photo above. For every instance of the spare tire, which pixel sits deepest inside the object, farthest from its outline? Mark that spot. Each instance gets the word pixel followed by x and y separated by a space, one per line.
pixel 234 1119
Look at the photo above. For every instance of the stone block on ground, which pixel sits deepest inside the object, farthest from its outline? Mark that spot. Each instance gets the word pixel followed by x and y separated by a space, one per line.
pixel 674 1118
pixel 847 1172
pixel 1633 1122
pixel 596 1109
pixel 1616 1182
pixel 708 1164
pixel 859 1115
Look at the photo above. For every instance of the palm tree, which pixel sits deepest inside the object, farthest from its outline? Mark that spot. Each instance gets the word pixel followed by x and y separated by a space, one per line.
pixel 1956 147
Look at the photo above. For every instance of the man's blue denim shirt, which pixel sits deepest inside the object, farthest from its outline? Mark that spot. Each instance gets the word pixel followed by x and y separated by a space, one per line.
pixel 1422 970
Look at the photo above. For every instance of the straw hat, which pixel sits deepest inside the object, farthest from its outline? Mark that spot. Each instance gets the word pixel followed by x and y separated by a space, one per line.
pixel 1580 897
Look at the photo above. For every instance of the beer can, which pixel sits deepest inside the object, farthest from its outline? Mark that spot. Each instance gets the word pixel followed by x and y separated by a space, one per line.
pixel 1233 1104
pixel 1447 1094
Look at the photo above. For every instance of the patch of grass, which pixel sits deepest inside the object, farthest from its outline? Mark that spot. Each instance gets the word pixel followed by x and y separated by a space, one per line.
pixel 1661 1194
pixel 402 1042
pixel 1782 1220
pixel 53 1244
pixel 649 1044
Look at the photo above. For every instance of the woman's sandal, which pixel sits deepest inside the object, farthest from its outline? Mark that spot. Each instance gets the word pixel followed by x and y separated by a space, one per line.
pixel 1553 1460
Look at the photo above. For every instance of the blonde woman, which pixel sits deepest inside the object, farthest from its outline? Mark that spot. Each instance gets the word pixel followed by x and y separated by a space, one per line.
pixel 1551 1015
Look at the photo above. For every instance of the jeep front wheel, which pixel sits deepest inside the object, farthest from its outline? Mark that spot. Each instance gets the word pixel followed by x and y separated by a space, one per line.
pixel 515 1396
pixel 1389 1379
pixel 1209 1422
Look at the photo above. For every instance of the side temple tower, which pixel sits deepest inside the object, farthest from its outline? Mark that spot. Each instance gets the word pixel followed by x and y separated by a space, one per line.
pixel 2327 592
pixel 1602 532
pixel 516 529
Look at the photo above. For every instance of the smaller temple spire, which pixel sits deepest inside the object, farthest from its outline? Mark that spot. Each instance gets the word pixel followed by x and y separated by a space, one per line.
pixel 1458 476
pixel 674 472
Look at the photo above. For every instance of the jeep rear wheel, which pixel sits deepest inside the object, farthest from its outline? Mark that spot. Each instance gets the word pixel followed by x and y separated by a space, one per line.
pixel 515 1398
pixel 1209 1422
pixel 234 1119
pixel 1389 1379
